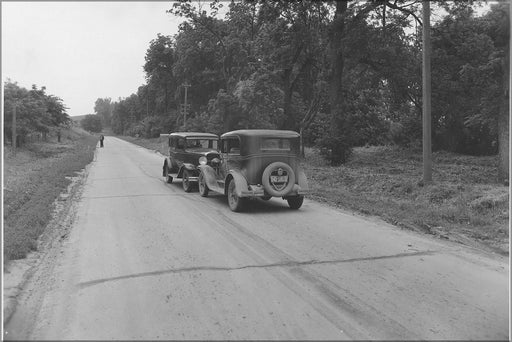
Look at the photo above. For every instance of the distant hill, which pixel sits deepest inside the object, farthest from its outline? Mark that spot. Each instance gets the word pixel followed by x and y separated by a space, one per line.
pixel 77 118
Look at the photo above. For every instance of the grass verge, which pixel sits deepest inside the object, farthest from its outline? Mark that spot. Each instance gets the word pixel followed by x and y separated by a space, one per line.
pixel 464 203
pixel 33 180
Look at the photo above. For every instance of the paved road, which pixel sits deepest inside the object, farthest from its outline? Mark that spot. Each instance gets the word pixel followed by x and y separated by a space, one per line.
pixel 144 260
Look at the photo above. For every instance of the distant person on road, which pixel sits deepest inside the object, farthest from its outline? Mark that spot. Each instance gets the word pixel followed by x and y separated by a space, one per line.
pixel 101 140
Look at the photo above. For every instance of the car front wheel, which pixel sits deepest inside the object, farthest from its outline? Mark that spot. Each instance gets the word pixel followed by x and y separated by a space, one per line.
pixel 203 188
pixel 168 178
pixel 235 203
pixel 295 202
pixel 187 185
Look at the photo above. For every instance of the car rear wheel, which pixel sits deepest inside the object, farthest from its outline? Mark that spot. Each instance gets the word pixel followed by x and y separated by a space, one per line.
pixel 187 185
pixel 168 178
pixel 203 188
pixel 235 203
pixel 295 202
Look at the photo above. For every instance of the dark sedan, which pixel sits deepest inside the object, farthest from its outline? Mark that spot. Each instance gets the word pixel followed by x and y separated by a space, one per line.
pixel 187 150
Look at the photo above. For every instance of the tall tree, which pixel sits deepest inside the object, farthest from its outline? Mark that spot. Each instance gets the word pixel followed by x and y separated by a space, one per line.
pixel 104 107
pixel 36 111
pixel 162 83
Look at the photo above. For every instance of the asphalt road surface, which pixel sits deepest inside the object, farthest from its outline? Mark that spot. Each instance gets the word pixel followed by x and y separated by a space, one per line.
pixel 145 260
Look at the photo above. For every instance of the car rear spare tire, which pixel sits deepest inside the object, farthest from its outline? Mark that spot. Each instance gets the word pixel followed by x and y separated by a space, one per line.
pixel 278 179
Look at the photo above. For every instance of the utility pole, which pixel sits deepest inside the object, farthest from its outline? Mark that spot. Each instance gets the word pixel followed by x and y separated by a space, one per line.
pixel 427 121
pixel 185 107
pixel 14 140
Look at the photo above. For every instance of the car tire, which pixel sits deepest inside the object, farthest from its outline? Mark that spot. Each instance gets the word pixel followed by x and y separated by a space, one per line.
pixel 269 188
pixel 203 188
pixel 235 203
pixel 295 202
pixel 187 185
pixel 168 178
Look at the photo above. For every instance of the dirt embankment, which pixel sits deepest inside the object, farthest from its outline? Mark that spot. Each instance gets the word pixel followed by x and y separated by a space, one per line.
pixel 33 179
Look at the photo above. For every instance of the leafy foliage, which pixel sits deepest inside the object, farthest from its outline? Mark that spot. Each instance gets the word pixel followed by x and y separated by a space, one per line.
pixel 103 108
pixel 92 123
pixel 36 111
pixel 343 74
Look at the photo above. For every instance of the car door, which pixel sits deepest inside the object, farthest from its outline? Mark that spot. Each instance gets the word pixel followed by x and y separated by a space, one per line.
pixel 231 157
pixel 173 154
pixel 179 152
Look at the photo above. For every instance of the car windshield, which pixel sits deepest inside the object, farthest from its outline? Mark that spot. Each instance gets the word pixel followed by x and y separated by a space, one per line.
pixel 275 144
pixel 198 144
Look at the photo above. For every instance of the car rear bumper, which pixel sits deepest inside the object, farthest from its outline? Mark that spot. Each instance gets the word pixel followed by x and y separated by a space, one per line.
pixel 258 191
pixel 253 191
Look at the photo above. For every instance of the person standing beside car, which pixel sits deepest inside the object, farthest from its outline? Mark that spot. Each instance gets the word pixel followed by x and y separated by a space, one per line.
pixel 101 140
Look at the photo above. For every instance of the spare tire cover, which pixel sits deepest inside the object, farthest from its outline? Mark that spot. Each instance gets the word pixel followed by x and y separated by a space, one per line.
pixel 278 179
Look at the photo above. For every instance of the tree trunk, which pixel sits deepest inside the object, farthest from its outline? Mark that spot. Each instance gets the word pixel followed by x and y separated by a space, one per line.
pixel 336 141
pixel 337 57
pixel 503 122
pixel 289 119
pixel 302 152
pixel 503 141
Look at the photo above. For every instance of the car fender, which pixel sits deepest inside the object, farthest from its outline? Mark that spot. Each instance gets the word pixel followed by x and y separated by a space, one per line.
pixel 302 180
pixel 189 167
pixel 171 164
pixel 240 182
pixel 209 176
pixel 168 163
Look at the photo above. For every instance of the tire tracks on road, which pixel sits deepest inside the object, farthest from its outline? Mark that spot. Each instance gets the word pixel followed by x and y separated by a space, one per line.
pixel 347 312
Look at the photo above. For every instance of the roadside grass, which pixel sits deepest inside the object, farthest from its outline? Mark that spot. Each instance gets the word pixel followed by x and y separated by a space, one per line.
pixel 33 180
pixel 464 203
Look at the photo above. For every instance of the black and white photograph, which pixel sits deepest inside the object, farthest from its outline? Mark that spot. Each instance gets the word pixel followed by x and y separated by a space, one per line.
pixel 256 170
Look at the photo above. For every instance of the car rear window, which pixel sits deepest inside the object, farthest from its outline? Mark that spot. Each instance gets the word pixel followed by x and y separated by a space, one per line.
pixel 193 144
pixel 276 144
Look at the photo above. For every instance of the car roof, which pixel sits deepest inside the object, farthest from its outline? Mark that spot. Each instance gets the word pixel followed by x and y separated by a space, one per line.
pixel 274 133
pixel 194 134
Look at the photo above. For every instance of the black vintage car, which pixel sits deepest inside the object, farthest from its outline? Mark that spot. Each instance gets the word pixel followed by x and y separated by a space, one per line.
pixel 186 151
pixel 256 163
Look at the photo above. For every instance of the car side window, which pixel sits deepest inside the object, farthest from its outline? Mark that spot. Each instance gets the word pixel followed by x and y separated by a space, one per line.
pixel 172 143
pixel 180 144
pixel 231 146
pixel 234 146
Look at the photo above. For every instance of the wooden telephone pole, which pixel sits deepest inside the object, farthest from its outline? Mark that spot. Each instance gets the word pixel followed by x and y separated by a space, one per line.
pixel 185 106
pixel 427 121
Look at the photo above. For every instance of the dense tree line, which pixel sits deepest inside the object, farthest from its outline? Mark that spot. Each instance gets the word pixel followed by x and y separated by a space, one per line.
pixel 92 123
pixel 36 111
pixel 344 74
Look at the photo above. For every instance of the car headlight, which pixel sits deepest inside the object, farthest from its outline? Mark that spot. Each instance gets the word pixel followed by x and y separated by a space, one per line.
pixel 203 160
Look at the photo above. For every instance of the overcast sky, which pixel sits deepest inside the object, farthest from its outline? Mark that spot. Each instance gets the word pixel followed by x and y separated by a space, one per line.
pixel 81 51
